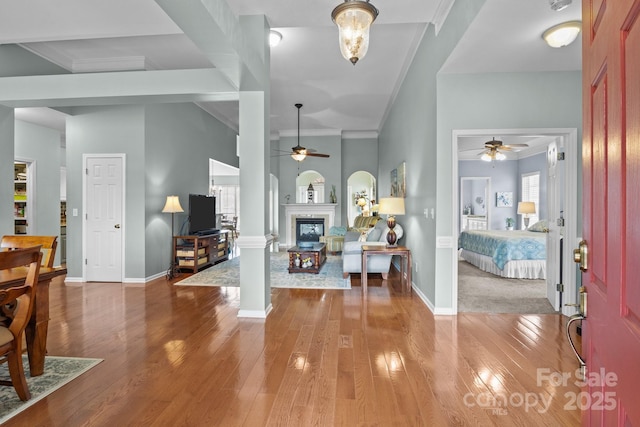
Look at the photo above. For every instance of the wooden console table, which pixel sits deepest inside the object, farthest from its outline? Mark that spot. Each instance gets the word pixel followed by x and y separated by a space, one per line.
pixel 403 251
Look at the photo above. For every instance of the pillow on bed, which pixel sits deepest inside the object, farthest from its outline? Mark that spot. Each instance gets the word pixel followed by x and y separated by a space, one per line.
pixel 540 227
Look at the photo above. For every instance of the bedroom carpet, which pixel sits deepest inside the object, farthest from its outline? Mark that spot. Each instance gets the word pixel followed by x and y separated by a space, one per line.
pixel 482 292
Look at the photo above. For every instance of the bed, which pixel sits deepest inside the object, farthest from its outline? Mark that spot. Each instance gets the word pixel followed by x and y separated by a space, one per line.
pixel 517 254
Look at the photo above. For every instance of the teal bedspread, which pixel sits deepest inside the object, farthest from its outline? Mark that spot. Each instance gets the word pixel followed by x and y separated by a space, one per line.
pixel 505 245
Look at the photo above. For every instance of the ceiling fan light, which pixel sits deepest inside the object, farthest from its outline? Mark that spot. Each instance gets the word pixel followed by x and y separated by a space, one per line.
pixel 500 156
pixel 299 156
pixel 486 157
pixel 354 18
pixel 562 34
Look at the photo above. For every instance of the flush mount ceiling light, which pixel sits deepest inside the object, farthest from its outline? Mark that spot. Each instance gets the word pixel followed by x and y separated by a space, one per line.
pixel 558 5
pixel 353 18
pixel 562 34
pixel 274 38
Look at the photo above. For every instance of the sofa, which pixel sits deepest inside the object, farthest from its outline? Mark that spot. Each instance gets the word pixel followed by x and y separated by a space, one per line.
pixel 335 239
pixel 352 249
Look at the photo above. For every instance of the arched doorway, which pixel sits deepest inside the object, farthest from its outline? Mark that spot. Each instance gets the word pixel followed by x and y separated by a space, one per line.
pixel 360 185
pixel 316 180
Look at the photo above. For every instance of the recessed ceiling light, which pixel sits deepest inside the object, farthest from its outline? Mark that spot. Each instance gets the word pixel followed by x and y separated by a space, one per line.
pixel 274 38
pixel 562 34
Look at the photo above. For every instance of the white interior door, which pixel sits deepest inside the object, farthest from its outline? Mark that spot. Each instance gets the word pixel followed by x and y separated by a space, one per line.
pixel 103 218
pixel 555 231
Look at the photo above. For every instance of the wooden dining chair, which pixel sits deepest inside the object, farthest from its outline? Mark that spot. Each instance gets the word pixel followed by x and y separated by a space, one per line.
pixel 48 244
pixel 20 300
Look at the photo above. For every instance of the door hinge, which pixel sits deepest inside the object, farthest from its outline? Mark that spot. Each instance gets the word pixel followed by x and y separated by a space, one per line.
pixel 86 171
pixel 559 287
pixel 560 156
pixel 560 222
pixel 85 261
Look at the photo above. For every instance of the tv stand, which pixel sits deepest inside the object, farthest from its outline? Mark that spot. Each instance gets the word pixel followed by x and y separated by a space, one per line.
pixel 206 232
pixel 194 253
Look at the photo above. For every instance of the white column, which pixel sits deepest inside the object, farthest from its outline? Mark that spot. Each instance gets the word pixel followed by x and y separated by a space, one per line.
pixel 254 152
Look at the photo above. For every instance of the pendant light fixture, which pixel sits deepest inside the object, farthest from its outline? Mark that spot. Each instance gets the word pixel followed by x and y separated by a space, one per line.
pixel 353 18
pixel 298 154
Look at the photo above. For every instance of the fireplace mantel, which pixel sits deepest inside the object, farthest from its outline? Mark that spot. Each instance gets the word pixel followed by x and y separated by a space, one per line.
pixel 307 210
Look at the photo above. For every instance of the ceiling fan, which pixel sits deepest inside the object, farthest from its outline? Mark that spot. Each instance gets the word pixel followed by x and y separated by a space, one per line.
pixel 494 150
pixel 299 153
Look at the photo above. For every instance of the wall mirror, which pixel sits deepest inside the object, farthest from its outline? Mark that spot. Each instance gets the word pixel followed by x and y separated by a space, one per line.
pixel 474 209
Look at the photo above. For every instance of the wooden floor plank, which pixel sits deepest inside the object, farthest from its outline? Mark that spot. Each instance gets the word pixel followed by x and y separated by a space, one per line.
pixel 177 355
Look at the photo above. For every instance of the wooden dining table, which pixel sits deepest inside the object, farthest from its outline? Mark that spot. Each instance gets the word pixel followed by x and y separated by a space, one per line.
pixel 36 331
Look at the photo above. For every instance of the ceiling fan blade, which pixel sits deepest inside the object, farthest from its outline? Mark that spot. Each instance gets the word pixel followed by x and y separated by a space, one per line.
pixel 317 155
pixel 516 145
pixel 504 148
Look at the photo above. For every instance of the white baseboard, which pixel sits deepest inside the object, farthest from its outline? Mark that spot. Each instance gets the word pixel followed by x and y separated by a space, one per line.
pixel 255 314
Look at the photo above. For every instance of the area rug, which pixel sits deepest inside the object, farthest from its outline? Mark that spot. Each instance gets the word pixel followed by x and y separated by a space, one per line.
pixel 58 371
pixel 228 274
pixel 479 291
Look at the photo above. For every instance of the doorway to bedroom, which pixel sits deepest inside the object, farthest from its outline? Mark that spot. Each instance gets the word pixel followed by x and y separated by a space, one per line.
pixel 479 285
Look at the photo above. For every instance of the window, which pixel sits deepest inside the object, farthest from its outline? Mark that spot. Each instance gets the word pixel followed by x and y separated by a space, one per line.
pixel 227 200
pixel 531 193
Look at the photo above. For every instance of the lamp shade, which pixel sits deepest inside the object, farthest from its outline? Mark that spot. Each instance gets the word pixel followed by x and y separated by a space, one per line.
pixel 353 18
pixel 526 208
pixel 391 206
pixel 172 205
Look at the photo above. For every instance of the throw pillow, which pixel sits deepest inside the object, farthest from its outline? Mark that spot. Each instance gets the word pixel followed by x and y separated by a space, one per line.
pixel 374 235
pixel 540 227
pixel 337 231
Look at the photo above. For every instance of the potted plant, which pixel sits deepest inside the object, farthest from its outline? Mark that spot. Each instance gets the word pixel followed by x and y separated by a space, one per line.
pixel 510 222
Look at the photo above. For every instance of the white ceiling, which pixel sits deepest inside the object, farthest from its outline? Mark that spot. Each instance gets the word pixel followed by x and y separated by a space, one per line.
pixel 306 67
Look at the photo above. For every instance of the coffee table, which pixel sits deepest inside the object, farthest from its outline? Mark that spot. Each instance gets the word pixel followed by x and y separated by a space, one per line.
pixel 315 256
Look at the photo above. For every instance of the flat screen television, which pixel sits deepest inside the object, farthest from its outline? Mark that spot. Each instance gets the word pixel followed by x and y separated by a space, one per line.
pixel 202 214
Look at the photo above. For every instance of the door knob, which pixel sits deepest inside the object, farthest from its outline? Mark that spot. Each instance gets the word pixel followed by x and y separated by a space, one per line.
pixel 116 226
pixel 581 255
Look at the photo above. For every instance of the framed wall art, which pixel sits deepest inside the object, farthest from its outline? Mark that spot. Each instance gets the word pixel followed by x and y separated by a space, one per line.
pixel 398 181
pixel 504 199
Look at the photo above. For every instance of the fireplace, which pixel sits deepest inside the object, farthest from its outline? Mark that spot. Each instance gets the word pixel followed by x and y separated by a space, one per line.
pixel 309 229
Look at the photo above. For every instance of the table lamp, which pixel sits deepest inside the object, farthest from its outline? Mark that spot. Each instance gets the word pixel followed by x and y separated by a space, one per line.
pixel 391 206
pixel 172 206
pixel 526 208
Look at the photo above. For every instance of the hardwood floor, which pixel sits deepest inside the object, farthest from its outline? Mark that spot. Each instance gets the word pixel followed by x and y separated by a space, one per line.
pixel 179 356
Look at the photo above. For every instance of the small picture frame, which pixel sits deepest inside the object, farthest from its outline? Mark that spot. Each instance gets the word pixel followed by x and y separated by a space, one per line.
pixel 504 199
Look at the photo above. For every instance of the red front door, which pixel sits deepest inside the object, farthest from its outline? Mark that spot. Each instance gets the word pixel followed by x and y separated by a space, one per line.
pixel 611 211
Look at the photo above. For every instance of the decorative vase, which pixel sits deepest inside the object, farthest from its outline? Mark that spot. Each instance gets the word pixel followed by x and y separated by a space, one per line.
pixel 297 262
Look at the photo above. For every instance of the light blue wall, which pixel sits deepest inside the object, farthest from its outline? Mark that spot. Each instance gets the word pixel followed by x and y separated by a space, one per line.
pixel 112 130
pixel 7 148
pixel 518 100
pixel 410 134
pixel 167 148
pixel 179 141
pixel 505 176
pixel 42 146
pixel 330 168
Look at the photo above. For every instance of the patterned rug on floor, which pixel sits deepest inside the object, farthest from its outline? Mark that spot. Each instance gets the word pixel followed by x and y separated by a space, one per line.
pixel 227 274
pixel 58 371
